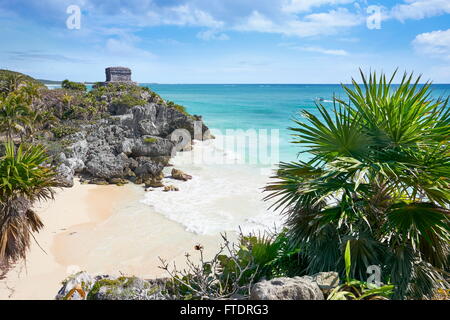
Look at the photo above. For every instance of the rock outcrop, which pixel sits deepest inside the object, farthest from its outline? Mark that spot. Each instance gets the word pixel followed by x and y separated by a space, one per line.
pixel 180 175
pixel 134 142
pixel 82 286
pixel 298 288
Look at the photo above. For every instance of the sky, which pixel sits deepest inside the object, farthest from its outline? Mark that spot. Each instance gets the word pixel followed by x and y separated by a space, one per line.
pixel 225 41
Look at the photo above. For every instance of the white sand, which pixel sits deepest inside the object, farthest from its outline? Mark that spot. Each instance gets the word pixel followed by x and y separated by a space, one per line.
pixel 123 230
pixel 99 229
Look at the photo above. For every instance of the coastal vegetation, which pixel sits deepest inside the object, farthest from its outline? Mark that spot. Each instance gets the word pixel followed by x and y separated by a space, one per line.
pixel 26 177
pixel 70 85
pixel 51 135
pixel 375 191
pixel 374 196
pixel 378 178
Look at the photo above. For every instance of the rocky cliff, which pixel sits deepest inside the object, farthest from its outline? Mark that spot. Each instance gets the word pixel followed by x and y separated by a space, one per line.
pixel 133 140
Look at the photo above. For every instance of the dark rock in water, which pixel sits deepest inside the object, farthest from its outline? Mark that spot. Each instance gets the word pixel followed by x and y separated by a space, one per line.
pixel 180 175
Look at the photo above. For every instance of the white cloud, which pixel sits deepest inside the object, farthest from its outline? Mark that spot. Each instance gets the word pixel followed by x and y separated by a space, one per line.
pixel 332 52
pixel 212 34
pixel 315 49
pixel 311 25
pixel 186 15
pixel 420 9
pixel 296 6
pixel 435 44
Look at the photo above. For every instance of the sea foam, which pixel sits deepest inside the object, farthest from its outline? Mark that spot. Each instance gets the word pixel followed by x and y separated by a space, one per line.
pixel 220 197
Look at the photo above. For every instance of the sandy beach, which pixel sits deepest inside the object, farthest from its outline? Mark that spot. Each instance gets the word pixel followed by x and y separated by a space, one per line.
pixel 124 230
pixel 84 230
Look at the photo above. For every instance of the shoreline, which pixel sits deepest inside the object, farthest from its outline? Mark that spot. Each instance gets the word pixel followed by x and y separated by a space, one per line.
pixel 89 228
pixel 124 230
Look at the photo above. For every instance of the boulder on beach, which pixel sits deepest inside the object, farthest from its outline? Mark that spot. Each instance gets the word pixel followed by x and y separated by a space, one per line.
pixel 170 188
pixel 180 175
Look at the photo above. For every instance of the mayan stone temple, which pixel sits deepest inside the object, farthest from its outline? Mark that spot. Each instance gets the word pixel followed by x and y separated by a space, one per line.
pixel 118 74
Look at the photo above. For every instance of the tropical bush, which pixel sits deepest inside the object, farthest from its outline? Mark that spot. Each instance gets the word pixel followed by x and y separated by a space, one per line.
pixel 353 289
pixel 10 81
pixel 379 178
pixel 63 130
pixel 25 179
pixel 70 85
pixel 177 107
pixel 14 111
pixel 233 269
pixel 128 101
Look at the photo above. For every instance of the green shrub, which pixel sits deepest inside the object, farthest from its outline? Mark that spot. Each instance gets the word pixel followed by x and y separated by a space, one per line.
pixel 353 289
pixel 128 100
pixel 178 107
pixel 63 131
pixel 235 268
pixel 69 85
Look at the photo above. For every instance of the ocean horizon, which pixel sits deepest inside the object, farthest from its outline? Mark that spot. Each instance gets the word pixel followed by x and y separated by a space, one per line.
pixel 255 106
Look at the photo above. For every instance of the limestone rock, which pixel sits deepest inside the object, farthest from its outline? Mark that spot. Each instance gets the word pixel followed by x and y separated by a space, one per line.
pixel 135 145
pixel 170 188
pixel 82 286
pixel 118 181
pixel 76 287
pixel 326 281
pixel 99 182
pixel 124 288
pixel 106 165
pixel 298 288
pixel 180 175
pixel 152 146
pixel 64 176
pixel 153 183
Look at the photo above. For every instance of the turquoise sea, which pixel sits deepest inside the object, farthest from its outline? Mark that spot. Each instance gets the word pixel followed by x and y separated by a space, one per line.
pixel 265 106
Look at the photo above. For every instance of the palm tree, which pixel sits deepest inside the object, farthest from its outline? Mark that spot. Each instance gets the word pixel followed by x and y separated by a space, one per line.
pixel 14 112
pixel 24 180
pixel 38 120
pixel 379 177
pixel 11 83
pixel 30 92
pixel 67 100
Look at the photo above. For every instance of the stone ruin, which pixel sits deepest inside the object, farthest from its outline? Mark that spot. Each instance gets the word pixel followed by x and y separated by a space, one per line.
pixel 118 75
